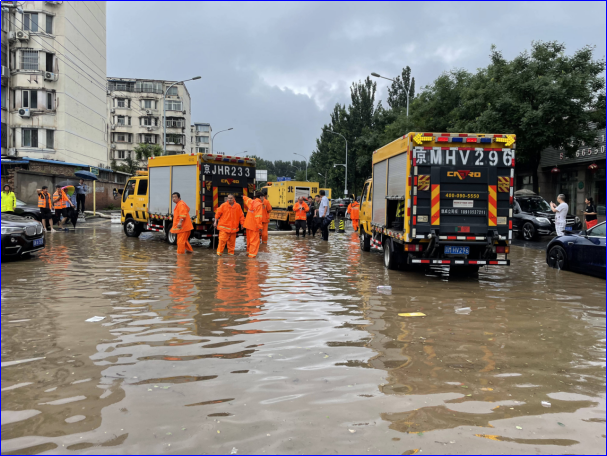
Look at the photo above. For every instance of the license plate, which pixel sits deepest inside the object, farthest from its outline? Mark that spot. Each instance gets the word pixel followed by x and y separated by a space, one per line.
pixel 451 250
pixel 38 242
pixel 569 228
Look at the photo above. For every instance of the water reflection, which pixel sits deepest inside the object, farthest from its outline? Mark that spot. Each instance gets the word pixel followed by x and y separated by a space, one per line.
pixel 295 350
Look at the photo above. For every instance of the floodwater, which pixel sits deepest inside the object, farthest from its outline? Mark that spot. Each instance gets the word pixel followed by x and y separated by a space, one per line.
pixel 295 352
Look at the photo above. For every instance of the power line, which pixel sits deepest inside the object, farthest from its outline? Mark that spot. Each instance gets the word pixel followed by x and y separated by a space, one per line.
pixel 85 5
pixel 85 36
pixel 78 118
pixel 100 39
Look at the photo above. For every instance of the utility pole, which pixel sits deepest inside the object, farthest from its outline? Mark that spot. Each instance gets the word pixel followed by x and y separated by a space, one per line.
pixel 346 165
pixel 306 164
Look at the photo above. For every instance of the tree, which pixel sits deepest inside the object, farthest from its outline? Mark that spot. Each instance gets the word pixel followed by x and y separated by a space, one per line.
pixel 138 160
pixel 397 93
pixel 543 96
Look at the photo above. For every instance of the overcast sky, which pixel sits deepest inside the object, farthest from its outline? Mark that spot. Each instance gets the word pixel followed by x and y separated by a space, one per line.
pixel 273 71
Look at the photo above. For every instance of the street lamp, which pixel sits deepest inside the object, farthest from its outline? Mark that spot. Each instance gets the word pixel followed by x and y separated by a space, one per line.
pixel 325 179
pixel 346 165
pixel 213 138
pixel 375 75
pixel 164 108
pixel 306 160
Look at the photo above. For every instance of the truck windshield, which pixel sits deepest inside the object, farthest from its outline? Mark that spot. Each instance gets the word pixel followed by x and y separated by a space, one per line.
pixel 534 205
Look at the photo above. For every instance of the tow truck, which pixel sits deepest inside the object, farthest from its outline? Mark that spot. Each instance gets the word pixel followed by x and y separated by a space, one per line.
pixel 441 199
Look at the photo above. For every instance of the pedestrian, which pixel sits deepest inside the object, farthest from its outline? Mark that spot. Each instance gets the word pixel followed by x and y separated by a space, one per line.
pixel 60 204
pixel 316 220
pixel 323 213
pixel 267 210
pixel 181 216
pixel 228 220
pixel 253 224
pixel 591 214
pixel 561 212
pixel 81 190
pixel 72 210
pixel 45 205
pixel 310 216
pixel 301 210
pixel 9 201
pixel 354 212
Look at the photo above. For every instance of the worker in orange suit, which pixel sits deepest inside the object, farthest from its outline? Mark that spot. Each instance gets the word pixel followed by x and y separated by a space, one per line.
pixel 354 212
pixel 182 225
pixel 301 210
pixel 228 220
pixel 253 224
pixel 267 209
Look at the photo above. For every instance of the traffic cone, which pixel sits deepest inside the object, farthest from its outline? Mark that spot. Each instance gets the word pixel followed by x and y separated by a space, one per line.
pixel 342 227
pixel 332 227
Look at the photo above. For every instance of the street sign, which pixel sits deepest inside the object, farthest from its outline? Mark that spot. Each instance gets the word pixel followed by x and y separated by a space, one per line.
pixel 262 176
pixel 95 171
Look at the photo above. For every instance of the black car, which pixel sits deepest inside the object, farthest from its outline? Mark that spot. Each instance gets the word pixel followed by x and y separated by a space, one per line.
pixel 340 207
pixel 21 238
pixel 534 218
pixel 583 253
pixel 27 211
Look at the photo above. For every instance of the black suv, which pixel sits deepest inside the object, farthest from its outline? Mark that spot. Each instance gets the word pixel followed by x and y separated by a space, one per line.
pixel 340 207
pixel 534 218
pixel 21 237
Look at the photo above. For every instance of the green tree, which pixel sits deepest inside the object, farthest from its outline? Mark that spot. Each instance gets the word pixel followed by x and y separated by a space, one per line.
pixel 544 96
pixel 397 93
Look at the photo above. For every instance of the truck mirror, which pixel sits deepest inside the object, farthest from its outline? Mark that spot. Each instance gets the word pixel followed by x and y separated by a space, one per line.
pixel 121 191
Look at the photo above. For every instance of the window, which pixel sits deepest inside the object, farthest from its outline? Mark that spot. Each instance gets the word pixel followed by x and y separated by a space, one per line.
pixel 173 92
pixel 29 138
pixel 148 139
pixel 50 139
pixel 49 101
pixel 148 87
pixel 122 154
pixel 148 122
pixel 365 190
pixel 30 22
pixel 4 98
pixel 29 60
pixel 142 188
pixel 202 140
pixel 599 231
pixel 175 139
pixel 49 61
pixel 174 105
pixel 49 24
pixel 29 99
pixel 203 128
pixel 5 25
pixel 123 103
pixel 203 150
pixel 129 190
pixel 122 137
pixel 148 104
pixel 119 86
pixel 171 123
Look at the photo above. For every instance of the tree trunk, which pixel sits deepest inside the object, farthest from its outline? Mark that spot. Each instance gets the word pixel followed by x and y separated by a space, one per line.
pixel 536 175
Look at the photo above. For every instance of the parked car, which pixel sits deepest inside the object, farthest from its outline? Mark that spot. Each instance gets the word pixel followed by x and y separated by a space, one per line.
pixel 20 237
pixel 27 211
pixel 534 218
pixel 339 207
pixel 583 253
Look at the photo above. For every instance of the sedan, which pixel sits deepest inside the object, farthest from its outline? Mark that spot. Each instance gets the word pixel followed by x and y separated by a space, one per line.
pixel 28 211
pixel 583 253
pixel 21 238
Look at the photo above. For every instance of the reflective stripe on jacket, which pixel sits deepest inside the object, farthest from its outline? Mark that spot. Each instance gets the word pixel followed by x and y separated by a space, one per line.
pixel 59 200
pixel 229 218
pixel 301 211
pixel 44 201
pixel 354 211
pixel 182 211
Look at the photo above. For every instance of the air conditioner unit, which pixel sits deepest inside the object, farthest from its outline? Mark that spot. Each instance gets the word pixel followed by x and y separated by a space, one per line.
pixel 113 127
pixel 113 146
pixel 150 129
pixel 12 152
pixel 4 72
pixel 148 112
pixel 22 36
pixel 48 76
pixel 12 36
pixel 113 110
pixel 25 113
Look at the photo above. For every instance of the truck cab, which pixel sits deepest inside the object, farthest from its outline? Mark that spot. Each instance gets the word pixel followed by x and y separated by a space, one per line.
pixel 366 212
pixel 134 213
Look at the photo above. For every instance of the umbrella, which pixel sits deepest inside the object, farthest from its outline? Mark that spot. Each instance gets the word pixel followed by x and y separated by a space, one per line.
pixel 86 175
pixel 69 190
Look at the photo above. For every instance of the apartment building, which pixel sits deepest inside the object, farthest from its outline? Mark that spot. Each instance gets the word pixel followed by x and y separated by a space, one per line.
pixel 55 92
pixel 201 138
pixel 136 116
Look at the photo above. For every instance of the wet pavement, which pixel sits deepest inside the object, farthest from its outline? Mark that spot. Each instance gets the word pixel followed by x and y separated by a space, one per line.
pixel 295 352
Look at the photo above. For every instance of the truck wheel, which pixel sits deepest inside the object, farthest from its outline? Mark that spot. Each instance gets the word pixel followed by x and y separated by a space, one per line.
pixel 171 238
pixel 390 260
pixel 132 229
pixel 529 233
pixel 365 243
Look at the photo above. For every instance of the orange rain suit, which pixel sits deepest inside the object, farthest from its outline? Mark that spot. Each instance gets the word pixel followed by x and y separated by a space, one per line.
pixel 229 218
pixel 182 212
pixel 354 211
pixel 267 209
pixel 301 211
pixel 253 225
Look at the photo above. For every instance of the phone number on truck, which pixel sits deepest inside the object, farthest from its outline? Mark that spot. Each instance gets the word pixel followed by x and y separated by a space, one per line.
pixel 462 195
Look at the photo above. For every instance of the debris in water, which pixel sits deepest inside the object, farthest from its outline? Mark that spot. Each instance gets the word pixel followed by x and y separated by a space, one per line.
pixel 561 424
pixel 546 404
pixel 95 319
pixel 352 431
pixel 412 315
pixel 463 311
pixel 385 290
pixel 519 428
pixel 234 451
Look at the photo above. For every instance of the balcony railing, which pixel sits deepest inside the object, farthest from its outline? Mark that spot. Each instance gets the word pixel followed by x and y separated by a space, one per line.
pixel 175 124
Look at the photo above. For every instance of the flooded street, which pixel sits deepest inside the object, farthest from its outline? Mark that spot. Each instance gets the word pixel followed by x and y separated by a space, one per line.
pixel 295 352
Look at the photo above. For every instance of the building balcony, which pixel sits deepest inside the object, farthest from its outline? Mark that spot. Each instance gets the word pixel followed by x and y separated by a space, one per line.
pixel 149 127
pixel 120 127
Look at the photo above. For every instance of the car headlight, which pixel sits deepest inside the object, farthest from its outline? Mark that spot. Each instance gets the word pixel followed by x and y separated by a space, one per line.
pixel 543 220
pixel 9 230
